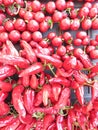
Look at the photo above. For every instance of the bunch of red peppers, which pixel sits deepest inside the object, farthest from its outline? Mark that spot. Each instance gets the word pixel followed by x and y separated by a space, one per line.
pixel 41 63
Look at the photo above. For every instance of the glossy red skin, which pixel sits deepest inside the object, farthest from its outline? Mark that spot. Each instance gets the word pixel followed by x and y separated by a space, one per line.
pixel 75 24
pixel 28 15
pixel 44 26
pixel 2 17
pixel 20 25
pixel 95 24
pixel 90 48
pixel 67 36
pixel 94 54
pixel 3 37
pixel 93 42
pixel 33 25
pixel 14 36
pixel 50 7
pixel 60 4
pixel 86 24
pixel 22 12
pixel 88 5
pixel 5 86
pixel 81 35
pixel 26 35
pixel 3 96
pixel 83 12
pixel 93 12
pixel 43 43
pixel 4 108
pixel 70 4
pixel 34 82
pixel 37 36
pixel 77 42
pixel 9 26
pixel 2 29
pixel 57 16
pixel 65 24
pixel 20 2
pixel 57 41
pixel 36 5
pixel 51 35
pixel 73 13
pixel 96 38
pixel 61 50
pixel 85 41
pixel 8 2
pixel 39 16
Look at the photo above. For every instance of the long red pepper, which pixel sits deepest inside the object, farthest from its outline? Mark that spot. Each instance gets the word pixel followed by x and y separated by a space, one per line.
pixel 17 100
pixel 63 99
pixel 94 90
pixel 5 109
pixel 14 60
pixel 30 54
pixel 3 96
pixel 59 121
pixel 28 98
pixel 60 80
pixel 5 86
pixel 56 62
pixel 34 82
pixel 20 127
pixel 33 69
pixel 11 50
pixel 6 71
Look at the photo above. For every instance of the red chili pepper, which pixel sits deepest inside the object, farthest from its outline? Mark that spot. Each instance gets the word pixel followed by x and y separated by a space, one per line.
pixel 80 77
pixel 31 125
pixel 60 80
pixel 13 125
pixel 63 99
pixel 56 62
pixel 74 84
pixel 21 127
pixel 42 79
pixel 4 108
pixel 33 69
pixel 94 69
pixel 34 82
pixel 59 121
pixel 7 120
pixel 39 125
pixel 17 100
pixel 70 63
pixel 38 98
pixel 46 93
pixel 63 73
pixel 14 60
pixel 5 86
pixel 94 90
pixel 56 90
pixel 26 120
pixel 52 127
pixel 48 119
pixel 11 50
pixel 6 71
pixel 83 58
pixel 3 96
pixel 80 94
pixel 28 99
pixel 26 81
pixel 30 54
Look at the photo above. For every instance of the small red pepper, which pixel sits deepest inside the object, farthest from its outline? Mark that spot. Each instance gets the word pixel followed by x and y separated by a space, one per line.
pixel 60 80
pixel 30 54
pixel 94 69
pixel 26 81
pixel 56 90
pixel 26 120
pixel 56 62
pixel 7 120
pixel 59 121
pixel 21 127
pixel 80 94
pixel 94 90
pixel 17 100
pixel 38 98
pixel 52 127
pixel 34 82
pixel 33 69
pixel 14 60
pixel 46 93
pixel 48 119
pixel 4 108
pixel 28 98
pixel 3 96
pixel 5 86
pixel 63 99
pixel 6 71
pixel 13 125
pixel 11 50
pixel 42 79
